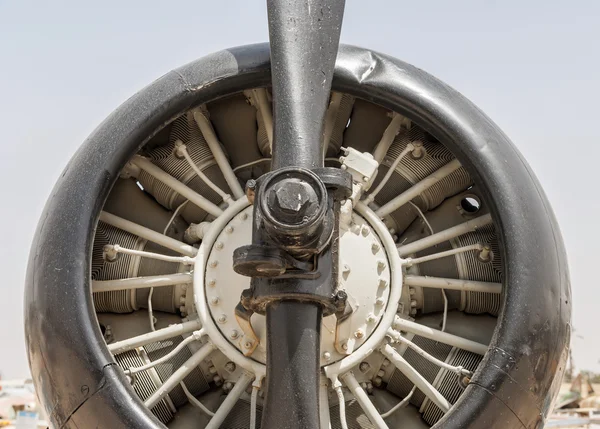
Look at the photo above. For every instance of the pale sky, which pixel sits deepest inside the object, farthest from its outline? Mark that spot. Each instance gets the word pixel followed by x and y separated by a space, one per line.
pixel 532 66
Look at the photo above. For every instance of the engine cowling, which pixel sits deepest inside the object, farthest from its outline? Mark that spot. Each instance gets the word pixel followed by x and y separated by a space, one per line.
pixel 455 265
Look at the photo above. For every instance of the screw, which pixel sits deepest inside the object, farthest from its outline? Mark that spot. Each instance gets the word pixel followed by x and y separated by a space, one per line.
pixel 222 319
pixel 327 356
pixel 369 388
pixel 364 367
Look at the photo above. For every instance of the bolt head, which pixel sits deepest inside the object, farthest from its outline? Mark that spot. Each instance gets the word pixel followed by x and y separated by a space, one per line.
pixel 233 335
pixel 327 356
pixel 364 367
pixel 222 318
pixel 214 300
pixel 377 381
pixel 293 202
pixel 359 334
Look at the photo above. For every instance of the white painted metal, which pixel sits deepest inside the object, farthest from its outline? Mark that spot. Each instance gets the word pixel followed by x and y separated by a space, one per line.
pixel 417 379
pixel 179 374
pixel 452 284
pixel 459 370
pixel 403 403
pixel 325 418
pixel 215 147
pixel 232 397
pixel 200 298
pixel 152 337
pixel 196 335
pixel 197 199
pixel 342 407
pixel 445 235
pixel 418 188
pixel 388 136
pixel 395 292
pixel 148 234
pixel 414 261
pixel 181 259
pixel 437 335
pixel 181 150
pixel 364 401
pixel 253 400
pixel 360 248
pixel 141 282
pixel 194 401
pixel 409 148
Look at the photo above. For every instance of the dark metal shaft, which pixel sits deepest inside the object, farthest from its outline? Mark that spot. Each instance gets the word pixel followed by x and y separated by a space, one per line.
pixel 293 336
pixel 304 38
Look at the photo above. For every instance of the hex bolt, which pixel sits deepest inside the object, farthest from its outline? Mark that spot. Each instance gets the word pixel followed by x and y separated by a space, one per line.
pixel 371 318
pixel 380 373
pixel 251 190
pixel 327 356
pixel 364 366
pixel 485 255
pixel 359 334
pixel 222 319
pixel 377 381
pixel 418 150
pixel 369 387
pixel 385 363
pixel 293 197
pixel 363 385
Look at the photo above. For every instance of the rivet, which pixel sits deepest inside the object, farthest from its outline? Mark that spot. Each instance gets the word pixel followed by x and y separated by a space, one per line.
pixel 213 264
pixel 214 300
pixel 219 245
pixel 229 229
pixel 327 356
pixel 244 216
pixel 212 282
pixel 222 318
pixel 233 335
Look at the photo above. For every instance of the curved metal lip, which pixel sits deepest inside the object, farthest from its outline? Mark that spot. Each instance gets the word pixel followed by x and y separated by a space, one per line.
pixel 440 110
